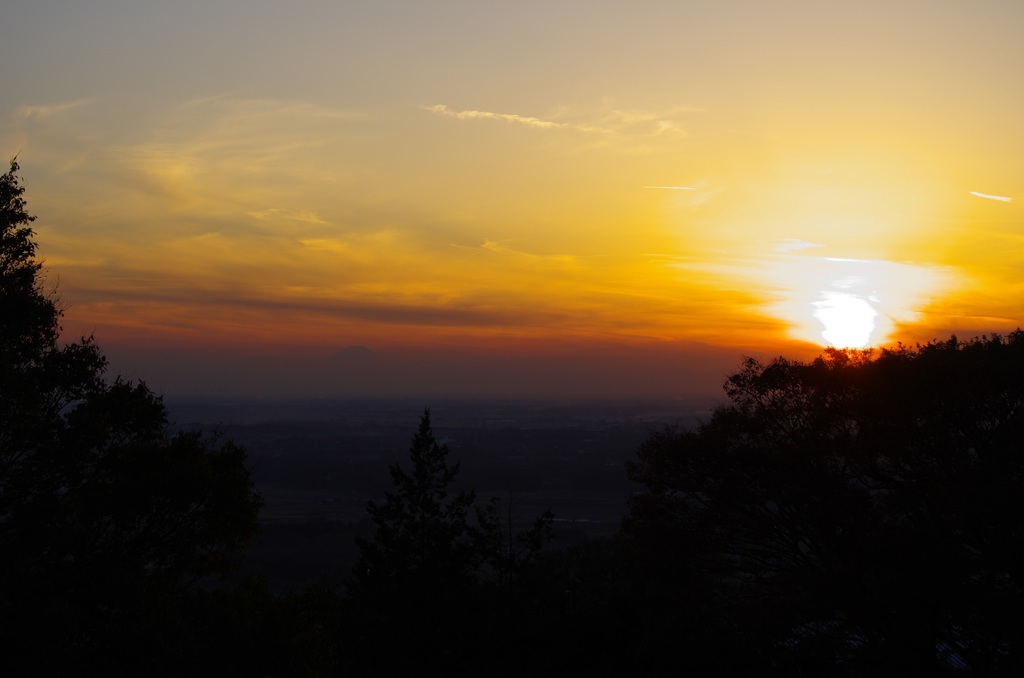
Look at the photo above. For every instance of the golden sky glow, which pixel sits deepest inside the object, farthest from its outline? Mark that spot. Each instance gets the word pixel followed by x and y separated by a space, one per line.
pixel 670 177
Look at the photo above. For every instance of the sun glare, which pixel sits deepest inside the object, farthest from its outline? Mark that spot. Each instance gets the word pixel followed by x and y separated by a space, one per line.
pixel 849 303
pixel 848 320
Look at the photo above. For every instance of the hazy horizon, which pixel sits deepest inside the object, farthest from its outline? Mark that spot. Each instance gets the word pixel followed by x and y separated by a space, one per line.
pixel 689 371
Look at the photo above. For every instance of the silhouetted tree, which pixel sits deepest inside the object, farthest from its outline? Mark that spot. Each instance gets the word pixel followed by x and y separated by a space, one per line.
pixel 859 513
pixel 413 581
pixel 104 514
pixel 506 552
pixel 442 579
pixel 422 543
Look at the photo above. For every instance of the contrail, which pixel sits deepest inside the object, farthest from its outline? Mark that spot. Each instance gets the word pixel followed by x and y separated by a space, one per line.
pixel 1000 198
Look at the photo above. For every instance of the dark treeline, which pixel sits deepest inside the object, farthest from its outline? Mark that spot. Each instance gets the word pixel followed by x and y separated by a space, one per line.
pixel 856 515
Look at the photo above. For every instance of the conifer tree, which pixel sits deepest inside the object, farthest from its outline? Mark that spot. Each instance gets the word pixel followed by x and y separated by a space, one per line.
pixel 422 540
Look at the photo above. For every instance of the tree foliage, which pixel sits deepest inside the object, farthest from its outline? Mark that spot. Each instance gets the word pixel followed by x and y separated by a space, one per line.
pixel 861 510
pixel 438 570
pixel 103 511
pixel 423 538
pixel 507 553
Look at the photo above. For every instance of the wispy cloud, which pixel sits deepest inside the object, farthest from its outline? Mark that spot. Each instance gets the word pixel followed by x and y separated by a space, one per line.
pixel 46 110
pixel 1000 198
pixel 794 245
pixel 301 216
pixel 634 130
pixel 501 248
pixel 224 157
pixel 441 109
pixel 649 122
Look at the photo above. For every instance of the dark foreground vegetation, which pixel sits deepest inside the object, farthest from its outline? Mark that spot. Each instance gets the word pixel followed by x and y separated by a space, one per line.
pixel 857 515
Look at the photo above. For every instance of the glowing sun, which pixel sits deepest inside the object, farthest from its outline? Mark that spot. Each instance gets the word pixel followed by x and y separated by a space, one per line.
pixel 848 319
pixel 848 303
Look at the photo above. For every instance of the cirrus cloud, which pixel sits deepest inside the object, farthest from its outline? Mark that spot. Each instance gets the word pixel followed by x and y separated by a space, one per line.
pixel 441 109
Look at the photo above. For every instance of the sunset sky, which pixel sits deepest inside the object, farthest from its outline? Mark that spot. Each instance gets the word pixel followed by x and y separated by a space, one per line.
pixel 573 198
